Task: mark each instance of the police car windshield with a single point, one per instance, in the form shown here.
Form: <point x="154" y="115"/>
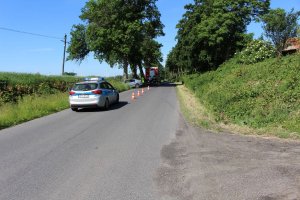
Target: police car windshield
<point x="85" y="86"/>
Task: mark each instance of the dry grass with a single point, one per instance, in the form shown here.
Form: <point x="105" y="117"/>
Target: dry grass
<point x="192" y="109"/>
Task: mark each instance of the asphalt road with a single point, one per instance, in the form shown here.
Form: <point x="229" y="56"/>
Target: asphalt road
<point x="142" y="150"/>
<point x="203" y="165"/>
<point x="90" y="155"/>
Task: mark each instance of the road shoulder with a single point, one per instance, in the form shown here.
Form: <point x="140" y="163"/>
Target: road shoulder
<point x="200" y="164"/>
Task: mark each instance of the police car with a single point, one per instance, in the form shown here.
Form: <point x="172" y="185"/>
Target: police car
<point x="93" y="93"/>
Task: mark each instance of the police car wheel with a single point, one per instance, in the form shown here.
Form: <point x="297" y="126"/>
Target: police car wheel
<point x="74" y="109"/>
<point x="118" y="99"/>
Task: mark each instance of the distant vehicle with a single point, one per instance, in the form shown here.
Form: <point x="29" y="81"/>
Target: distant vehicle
<point x="134" y="83"/>
<point x="152" y="76"/>
<point x="93" y="93"/>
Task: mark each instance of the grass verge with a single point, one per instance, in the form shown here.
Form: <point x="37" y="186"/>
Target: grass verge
<point x="198" y="115"/>
<point x="31" y="107"/>
<point x="193" y="110"/>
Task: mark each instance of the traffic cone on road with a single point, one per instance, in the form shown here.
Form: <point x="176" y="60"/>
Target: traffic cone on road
<point x="138" y="93"/>
<point x="132" y="96"/>
<point x="148" y="87"/>
<point x="142" y="91"/>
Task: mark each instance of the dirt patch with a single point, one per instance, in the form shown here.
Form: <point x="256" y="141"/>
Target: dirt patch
<point x="199" y="164"/>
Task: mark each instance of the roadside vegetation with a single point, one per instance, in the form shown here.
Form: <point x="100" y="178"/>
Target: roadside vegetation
<point x="264" y="96"/>
<point x="31" y="107"/>
<point x="118" y="83"/>
<point x="232" y="80"/>
<point x="24" y="97"/>
<point x="14" y="86"/>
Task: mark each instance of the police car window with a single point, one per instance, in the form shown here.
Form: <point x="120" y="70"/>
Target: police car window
<point x="109" y="86"/>
<point x="103" y="85"/>
<point x="106" y="86"/>
<point x="85" y="86"/>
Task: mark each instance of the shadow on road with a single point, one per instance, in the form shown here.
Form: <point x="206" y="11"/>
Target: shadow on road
<point x="167" y="84"/>
<point x="118" y="106"/>
<point x="112" y="107"/>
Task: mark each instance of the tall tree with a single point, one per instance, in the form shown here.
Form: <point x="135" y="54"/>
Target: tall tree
<point x="151" y="54"/>
<point x="115" y="30"/>
<point x="173" y="64"/>
<point x="279" y="26"/>
<point x="211" y="31"/>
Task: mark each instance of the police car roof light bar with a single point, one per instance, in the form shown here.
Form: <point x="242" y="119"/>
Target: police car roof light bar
<point x="93" y="79"/>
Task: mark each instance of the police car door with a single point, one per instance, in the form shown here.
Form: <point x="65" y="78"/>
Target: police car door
<point x="108" y="92"/>
<point x="113" y="92"/>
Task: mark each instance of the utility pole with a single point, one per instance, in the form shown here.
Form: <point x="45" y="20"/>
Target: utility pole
<point x="65" y="45"/>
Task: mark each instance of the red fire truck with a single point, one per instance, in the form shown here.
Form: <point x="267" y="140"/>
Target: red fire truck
<point x="152" y="76"/>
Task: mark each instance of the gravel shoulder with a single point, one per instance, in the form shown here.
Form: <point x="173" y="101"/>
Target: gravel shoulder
<point x="199" y="164"/>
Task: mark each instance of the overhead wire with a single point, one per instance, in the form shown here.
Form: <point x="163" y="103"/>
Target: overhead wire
<point x="29" y="33"/>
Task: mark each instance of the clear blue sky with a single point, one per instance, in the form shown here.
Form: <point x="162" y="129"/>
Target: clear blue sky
<point x="32" y="54"/>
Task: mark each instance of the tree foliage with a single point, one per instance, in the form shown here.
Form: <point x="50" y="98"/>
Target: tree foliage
<point x="279" y="26"/>
<point x="116" y="30"/>
<point x="211" y="31"/>
<point x="78" y="49"/>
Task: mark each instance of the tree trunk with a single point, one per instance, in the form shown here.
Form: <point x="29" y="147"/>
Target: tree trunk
<point x="125" y="70"/>
<point x="142" y="72"/>
<point x="134" y="72"/>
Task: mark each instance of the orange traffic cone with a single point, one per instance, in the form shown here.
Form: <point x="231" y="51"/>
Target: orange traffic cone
<point x="142" y="91"/>
<point x="138" y="93"/>
<point x="132" y="96"/>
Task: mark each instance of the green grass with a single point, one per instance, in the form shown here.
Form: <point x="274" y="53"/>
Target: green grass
<point x="118" y="84"/>
<point x="264" y="95"/>
<point x="193" y="110"/>
<point x="31" y="107"/>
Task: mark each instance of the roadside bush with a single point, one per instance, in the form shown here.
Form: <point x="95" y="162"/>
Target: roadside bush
<point x="256" y="51"/>
<point x="16" y="85"/>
